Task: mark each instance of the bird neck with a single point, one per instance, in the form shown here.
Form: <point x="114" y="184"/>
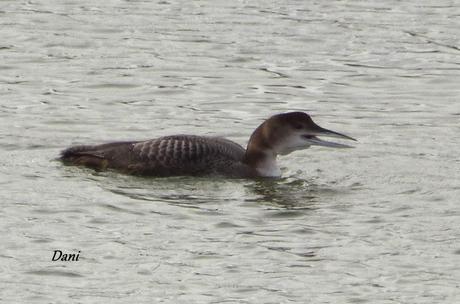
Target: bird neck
<point x="260" y="154"/>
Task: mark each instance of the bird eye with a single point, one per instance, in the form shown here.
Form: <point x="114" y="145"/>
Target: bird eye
<point x="297" y="126"/>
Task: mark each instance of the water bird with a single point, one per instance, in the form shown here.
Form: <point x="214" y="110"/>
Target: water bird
<point x="192" y="155"/>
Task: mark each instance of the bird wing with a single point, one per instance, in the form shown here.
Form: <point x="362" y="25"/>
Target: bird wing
<point x="185" y="154"/>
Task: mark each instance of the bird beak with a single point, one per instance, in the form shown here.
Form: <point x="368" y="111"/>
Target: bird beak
<point x="311" y="138"/>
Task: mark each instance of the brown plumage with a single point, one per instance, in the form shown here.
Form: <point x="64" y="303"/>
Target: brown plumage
<point x="202" y="155"/>
<point x="164" y="156"/>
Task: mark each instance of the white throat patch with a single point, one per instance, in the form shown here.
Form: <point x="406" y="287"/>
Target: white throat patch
<point x="269" y="168"/>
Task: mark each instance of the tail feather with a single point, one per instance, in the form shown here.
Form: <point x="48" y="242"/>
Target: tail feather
<point x="99" y="157"/>
<point x="84" y="156"/>
<point x="76" y="151"/>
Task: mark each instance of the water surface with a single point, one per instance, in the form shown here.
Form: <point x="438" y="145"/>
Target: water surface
<point x="376" y="224"/>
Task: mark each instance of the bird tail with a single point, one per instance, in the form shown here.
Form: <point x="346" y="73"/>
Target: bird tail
<point x="87" y="156"/>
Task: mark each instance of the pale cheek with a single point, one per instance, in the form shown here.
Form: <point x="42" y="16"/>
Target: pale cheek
<point x="292" y="144"/>
<point x="295" y="142"/>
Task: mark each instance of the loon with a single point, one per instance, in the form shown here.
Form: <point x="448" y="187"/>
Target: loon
<point x="193" y="155"/>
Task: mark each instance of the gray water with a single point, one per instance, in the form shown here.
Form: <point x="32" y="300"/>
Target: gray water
<point x="374" y="224"/>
